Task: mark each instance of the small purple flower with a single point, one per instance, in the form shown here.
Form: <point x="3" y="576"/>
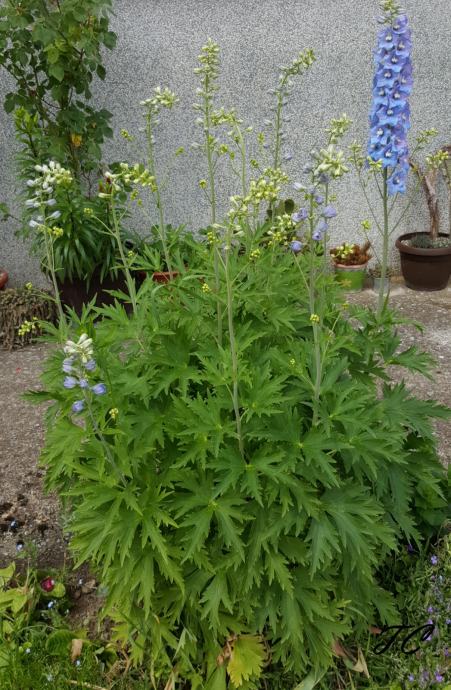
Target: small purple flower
<point x="296" y="246"/>
<point x="321" y="226"/>
<point x="319" y="198"/>
<point x="446" y="652"/>
<point x="78" y="406"/>
<point x="438" y="677"/>
<point x="83" y="383"/>
<point x="411" y="678"/>
<point x="434" y="560"/>
<point x="307" y="169"/>
<point x="410" y="549"/>
<point x="300" y="215"/>
<point x="90" y="365"/>
<point x="431" y="609"/>
<point x="329" y="212"/>
<point x="70" y="382"/>
<point x="99" y="389"/>
<point x="448" y="621"/>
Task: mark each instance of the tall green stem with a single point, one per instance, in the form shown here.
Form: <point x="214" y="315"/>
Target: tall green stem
<point x="128" y="276"/>
<point x="157" y="193"/>
<point x="212" y="196"/>
<point x="233" y="350"/>
<point x="51" y="267"/>
<point x="315" y="326"/>
<point x="385" y="240"/>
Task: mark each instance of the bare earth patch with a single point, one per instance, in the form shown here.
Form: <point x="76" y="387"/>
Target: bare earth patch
<point x="27" y="514"/>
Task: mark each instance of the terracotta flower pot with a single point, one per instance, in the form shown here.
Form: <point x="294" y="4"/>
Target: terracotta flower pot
<point x="76" y="293"/>
<point x="3" y="279"/>
<point x="424" y="269"/>
<point x="351" y="277"/>
<point x="164" y="276"/>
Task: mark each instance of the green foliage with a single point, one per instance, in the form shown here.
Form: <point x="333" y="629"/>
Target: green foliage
<point x="52" y="50"/>
<point x="197" y="542"/>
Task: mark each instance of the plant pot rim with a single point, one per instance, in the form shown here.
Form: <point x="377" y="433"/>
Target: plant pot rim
<point x="421" y="251"/>
<point x="347" y="267"/>
<point x="3" y="278"/>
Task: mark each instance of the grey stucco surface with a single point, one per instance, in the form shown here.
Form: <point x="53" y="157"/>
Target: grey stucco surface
<point x="158" y="43"/>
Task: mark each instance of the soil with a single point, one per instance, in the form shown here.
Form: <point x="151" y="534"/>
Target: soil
<point x="29" y="516"/>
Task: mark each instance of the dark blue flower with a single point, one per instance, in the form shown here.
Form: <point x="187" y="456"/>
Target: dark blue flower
<point x="390" y="112"/>
<point x="397" y="183"/>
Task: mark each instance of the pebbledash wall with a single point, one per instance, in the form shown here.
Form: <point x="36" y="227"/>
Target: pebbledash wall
<point x="158" y="42"/>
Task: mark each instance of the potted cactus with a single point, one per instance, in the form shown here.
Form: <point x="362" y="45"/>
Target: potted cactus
<point x="350" y="263"/>
<point x="426" y="256"/>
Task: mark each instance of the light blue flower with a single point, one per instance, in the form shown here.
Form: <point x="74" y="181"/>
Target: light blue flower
<point x="90" y="365"/>
<point x="298" y="186"/>
<point x="78" y="406"/>
<point x="70" y="382"/>
<point x="319" y="198"/>
<point x="83" y="383"/>
<point x="329" y="211"/>
<point x="300" y="215"/>
<point x="67" y="365"/>
<point x="99" y="389"/>
<point x="296" y="246"/>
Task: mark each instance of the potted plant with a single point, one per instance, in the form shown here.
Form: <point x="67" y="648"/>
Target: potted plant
<point x="376" y="273"/>
<point x="426" y="256"/>
<point x="350" y="263"/>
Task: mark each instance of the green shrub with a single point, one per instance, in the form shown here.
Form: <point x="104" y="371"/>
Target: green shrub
<point x="202" y="531"/>
<point x="235" y="457"/>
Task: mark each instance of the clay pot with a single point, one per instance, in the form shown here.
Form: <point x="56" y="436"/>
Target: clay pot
<point x="164" y="276"/>
<point x="76" y="293"/>
<point x="351" y="278"/>
<point x="3" y="279"/>
<point x="424" y="269"/>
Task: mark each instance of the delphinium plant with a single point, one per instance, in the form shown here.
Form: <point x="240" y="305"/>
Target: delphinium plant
<point x="261" y="463"/>
<point x="387" y="159"/>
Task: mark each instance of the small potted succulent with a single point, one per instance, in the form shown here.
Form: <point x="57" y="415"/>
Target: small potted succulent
<point x="426" y="256"/>
<point x="350" y="263"/>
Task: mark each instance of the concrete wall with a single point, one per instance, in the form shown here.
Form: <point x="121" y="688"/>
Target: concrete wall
<point x="159" y="41"/>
